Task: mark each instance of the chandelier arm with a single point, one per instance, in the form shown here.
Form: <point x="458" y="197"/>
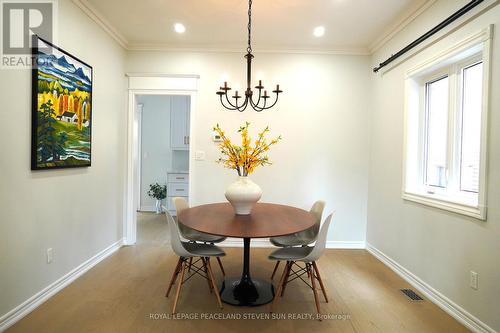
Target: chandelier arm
<point x="270" y="106"/>
<point x="258" y="108"/>
<point x="263" y="107"/>
<point x="235" y="106"/>
<point x="276" y="101"/>
<point x="258" y="99"/>
<point x="230" y="107"/>
<point x="252" y="103"/>
<point x="244" y="105"/>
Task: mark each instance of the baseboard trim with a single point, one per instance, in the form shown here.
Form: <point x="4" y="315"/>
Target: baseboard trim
<point x="265" y="243"/>
<point x="16" y="314"/>
<point x="354" y="245"/>
<point x="453" y="309"/>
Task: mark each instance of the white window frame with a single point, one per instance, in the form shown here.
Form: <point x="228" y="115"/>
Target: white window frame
<point x="449" y="63"/>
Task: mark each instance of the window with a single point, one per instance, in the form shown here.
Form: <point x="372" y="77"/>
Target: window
<point x="446" y="103"/>
<point x="436" y="124"/>
<point x="471" y="127"/>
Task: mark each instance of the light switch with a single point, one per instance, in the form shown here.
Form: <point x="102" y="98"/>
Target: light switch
<point x="199" y="155"/>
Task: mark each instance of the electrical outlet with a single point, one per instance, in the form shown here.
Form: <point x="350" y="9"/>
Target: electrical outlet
<point x="199" y="155"/>
<point x="473" y="280"/>
<point x="49" y="255"/>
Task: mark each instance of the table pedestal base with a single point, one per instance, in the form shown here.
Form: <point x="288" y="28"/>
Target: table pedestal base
<point x="254" y="292"/>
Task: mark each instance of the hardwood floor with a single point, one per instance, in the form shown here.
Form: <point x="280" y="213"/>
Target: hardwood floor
<point x="125" y="293"/>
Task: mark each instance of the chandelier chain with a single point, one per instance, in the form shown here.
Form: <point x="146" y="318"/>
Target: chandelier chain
<point x="249" y="48"/>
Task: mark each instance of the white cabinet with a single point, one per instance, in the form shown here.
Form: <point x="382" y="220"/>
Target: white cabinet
<point x="179" y="122"/>
<point x="177" y="186"/>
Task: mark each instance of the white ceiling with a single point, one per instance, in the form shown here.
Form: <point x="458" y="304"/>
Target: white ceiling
<point x="351" y="25"/>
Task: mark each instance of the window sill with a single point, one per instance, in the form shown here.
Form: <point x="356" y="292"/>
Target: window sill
<point x="478" y="212"/>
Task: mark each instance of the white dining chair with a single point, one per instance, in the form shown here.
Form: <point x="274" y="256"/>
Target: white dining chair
<point x="187" y="251"/>
<point x="192" y="235"/>
<point x="307" y="255"/>
<point x="301" y="238"/>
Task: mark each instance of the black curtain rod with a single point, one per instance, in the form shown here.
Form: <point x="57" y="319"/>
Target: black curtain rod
<point x="429" y="33"/>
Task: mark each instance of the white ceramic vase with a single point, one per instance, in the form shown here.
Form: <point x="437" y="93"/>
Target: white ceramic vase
<point x="243" y="194"/>
<point x="158" y="206"/>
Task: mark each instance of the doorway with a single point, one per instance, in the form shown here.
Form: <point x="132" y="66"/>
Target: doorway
<point x="161" y="111"/>
<point x="164" y="135"/>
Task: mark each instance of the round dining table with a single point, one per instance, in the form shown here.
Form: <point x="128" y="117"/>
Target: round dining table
<point x="266" y="220"/>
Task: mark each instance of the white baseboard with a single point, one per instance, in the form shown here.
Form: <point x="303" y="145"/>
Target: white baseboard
<point x="345" y="245"/>
<point x="264" y="242"/>
<point x="453" y="309"/>
<point x="16" y="314"/>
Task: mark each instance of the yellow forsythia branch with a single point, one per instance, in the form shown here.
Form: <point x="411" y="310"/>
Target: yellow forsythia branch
<point x="245" y="158"/>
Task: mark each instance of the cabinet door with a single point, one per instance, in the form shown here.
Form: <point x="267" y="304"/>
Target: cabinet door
<point x="188" y="121"/>
<point x="179" y="123"/>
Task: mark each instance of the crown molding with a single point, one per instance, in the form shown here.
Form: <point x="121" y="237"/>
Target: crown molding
<point x="231" y="49"/>
<point x="399" y="24"/>
<point x="151" y="74"/>
<point x="98" y="18"/>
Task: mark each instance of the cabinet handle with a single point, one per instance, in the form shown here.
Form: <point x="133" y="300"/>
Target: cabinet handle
<point x="179" y="177"/>
<point x="184" y="139"/>
<point x="188" y="139"/>
<point x="179" y="189"/>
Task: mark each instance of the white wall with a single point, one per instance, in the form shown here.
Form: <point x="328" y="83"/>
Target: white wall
<point x="439" y="247"/>
<point x="323" y="116"/>
<point x="77" y="212"/>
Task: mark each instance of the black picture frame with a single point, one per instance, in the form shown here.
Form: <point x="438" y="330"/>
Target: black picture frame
<point x="72" y="92"/>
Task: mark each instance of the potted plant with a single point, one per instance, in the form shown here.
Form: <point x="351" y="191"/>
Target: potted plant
<point x="244" y="193"/>
<point x="159" y="192"/>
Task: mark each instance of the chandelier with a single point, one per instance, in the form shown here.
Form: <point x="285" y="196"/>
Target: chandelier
<point x="260" y="103"/>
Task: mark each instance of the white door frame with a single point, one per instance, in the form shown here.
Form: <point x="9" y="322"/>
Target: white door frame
<point x="138" y="180"/>
<point x="150" y="84"/>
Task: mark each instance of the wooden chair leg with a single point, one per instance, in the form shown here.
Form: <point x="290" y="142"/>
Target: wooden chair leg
<point x="313" y="282"/>
<point x="179" y="286"/>
<point x="275" y="269"/>
<point x="216" y="291"/>
<point x="285" y="282"/>
<point x="174" y="276"/>
<point x="320" y="280"/>
<point x="221" y="267"/>
<point x="205" y="269"/>
<point x="280" y="286"/>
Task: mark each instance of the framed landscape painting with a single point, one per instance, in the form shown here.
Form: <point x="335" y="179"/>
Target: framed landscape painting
<point x="61" y="108"/>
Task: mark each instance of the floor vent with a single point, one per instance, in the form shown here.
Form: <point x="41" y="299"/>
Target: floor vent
<point x="412" y="295"/>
